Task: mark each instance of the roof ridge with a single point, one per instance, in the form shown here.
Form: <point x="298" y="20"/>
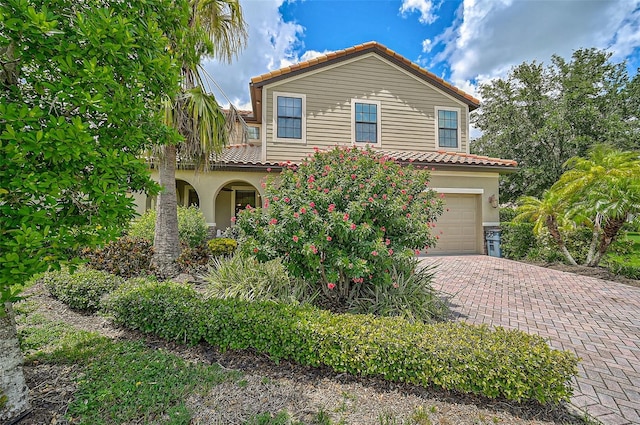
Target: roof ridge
<point x="370" y="45"/>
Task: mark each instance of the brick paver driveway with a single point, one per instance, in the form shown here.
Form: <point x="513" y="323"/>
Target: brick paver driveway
<point x="597" y="319"/>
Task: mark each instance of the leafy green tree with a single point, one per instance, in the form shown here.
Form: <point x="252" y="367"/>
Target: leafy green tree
<point x="79" y="82"/>
<point x="216" y="29"/>
<point x="543" y="115"/>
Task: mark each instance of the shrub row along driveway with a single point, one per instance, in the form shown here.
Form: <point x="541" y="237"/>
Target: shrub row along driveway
<point x="599" y="320"/>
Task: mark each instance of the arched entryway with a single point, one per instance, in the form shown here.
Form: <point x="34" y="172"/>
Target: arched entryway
<point x="185" y="193"/>
<point x="231" y="199"/>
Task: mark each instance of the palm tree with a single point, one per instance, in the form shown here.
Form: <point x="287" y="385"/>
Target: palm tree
<point x="546" y="213"/>
<point x="216" y="29"/>
<point x="605" y="187"/>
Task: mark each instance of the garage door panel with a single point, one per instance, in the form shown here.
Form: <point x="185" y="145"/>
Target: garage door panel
<point x="459" y="226"/>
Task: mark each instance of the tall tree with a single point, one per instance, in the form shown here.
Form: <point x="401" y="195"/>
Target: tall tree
<point x="543" y="115"/>
<point x="216" y="29"/>
<point x="79" y="81"/>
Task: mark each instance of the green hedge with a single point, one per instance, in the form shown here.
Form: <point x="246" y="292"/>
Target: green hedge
<point x="82" y="289"/>
<point x="516" y="240"/>
<point x="451" y="355"/>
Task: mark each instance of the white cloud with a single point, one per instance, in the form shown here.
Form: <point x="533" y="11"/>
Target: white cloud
<point x="491" y="36"/>
<point x="628" y="35"/>
<point x="425" y="7"/>
<point x="272" y="44"/>
<point x="427" y="45"/>
<point x="308" y="55"/>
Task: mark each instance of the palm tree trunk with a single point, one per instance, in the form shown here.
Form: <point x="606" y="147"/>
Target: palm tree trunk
<point x="552" y="225"/>
<point x="593" y="246"/>
<point x="166" y="243"/>
<point x="610" y="231"/>
<point x="595" y="237"/>
<point x="13" y="389"/>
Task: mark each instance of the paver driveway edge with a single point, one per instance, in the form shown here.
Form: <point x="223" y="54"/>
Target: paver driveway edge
<point x="597" y="319"/>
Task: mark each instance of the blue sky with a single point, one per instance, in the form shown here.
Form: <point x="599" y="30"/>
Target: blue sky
<point x="466" y="42"/>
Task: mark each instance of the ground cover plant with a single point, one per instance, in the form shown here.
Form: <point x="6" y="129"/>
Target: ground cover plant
<point x="454" y="356"/>
<point x="343" y="220"/>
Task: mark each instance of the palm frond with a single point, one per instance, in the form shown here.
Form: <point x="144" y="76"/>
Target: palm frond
<point x="199" y="119"/>
<point x="223" y="23"/>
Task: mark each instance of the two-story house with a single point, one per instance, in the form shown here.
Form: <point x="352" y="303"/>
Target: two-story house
<point x="363" y="95"/>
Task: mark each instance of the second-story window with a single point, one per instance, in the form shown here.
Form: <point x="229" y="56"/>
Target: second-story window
<point x="448" y="124"/>
<point x="254" y="132"/>
<point x="289" y="117"/>
<point x="366" y="121"/>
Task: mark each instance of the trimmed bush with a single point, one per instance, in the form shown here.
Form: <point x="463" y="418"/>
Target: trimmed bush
<point x="126" y="257"/>
<point x="192" y="226"/>
<point x="519" y="242"/>
<point x="516" y="240"/>
<point x="167" y="309"/>
<point x="243" y="277"/>
<point x="82" y="289"/>
<point x="144" y="227"/>
<point x="456" y="356"/>
<point x="222" y="246"/>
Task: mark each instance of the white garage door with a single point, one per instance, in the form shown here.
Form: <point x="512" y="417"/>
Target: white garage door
<point x="459" y="226"/>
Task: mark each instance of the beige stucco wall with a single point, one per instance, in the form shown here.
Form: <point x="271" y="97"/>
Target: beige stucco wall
<point x="407" y="108"/>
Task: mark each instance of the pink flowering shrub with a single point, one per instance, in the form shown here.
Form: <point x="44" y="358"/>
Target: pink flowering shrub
<point x="344" y="219"/>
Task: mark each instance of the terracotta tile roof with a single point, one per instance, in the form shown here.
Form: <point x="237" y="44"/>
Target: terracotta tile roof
<point x="361" y="49"/>
<point x="244" y="154"/>
<point x="446" y="158"/>
<point x="250" y="154"/>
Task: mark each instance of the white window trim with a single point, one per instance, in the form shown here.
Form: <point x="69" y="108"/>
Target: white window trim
<point x="259" y="131"/>
<point x="437" y="133"/>
<point x="378" y="122"/>
<point x="459" y="190"/>
<point x="303" y="139"/>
